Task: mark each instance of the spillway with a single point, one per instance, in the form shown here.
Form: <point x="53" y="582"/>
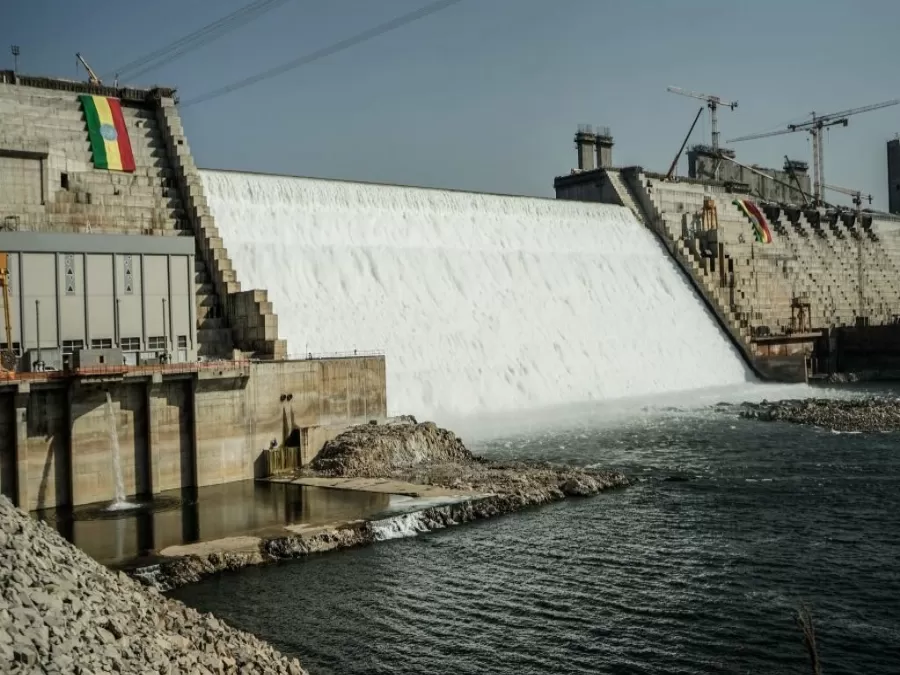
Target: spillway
<point x="482" y="303"/>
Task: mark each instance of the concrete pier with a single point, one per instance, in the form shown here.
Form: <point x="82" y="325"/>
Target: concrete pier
<point x="186" y="426"/>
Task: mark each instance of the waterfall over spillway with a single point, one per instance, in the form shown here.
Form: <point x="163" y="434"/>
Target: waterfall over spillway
<point x="482" y="303"/>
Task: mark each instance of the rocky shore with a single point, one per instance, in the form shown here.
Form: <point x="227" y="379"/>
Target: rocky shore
<point x="869" y="415"/>
<point x="62" y="612"/>
<point x="422" y="454"/>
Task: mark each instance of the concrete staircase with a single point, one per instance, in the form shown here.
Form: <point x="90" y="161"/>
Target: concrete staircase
<point x="673" y="232"/>
<point x="213" y="332"/>
<point x="626" y="196"/>
<point x="835" y="263"/>
<point x="253" y="323"/>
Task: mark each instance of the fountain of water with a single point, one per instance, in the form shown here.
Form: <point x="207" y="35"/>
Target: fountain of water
<point x="120" y="502"/>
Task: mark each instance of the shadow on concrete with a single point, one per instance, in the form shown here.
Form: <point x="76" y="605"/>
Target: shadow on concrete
<point x="56" y="459"/>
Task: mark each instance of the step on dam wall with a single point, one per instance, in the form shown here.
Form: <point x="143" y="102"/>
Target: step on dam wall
<point x="482" y="303"/>
<point x="807" y="292"/>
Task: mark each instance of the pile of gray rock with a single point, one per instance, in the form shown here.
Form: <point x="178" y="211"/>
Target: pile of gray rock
<point x="61" y="612"/>
<point x="873" y="414"/>
<point x="375" y="449"/>
<point x="426" y="454"/>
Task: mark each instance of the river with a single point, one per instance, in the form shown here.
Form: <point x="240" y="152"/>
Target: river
<point x="698" y="568"/>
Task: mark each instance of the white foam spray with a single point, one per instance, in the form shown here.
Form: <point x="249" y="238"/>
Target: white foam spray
<point x="482" y="303"/>
<point x="120" y="501"/>
<point x="400" y="527"/>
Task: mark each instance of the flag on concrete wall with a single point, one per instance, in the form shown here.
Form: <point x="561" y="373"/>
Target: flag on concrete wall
<point x="109" y="136"/>
<point x="760" y="226"/>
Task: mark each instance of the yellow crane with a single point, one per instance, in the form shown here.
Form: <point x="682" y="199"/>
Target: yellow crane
<point x="7" y="356"/>
<point x="92" y="76"/>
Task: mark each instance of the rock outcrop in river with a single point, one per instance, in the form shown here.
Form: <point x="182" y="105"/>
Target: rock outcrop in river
<point x="377" y="449"/>
<point x="62" y="612"/>
<point x="425" y="454"/>
<point x="863" y="414"/>
<point x="420" y="454"/>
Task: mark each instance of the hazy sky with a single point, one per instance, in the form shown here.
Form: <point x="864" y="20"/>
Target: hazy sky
<point x="486" y="94"/>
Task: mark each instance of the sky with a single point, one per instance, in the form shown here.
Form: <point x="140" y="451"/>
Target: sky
<point x="486" y="94"/>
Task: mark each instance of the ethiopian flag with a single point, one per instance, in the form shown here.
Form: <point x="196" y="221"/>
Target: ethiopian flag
<point x="109" y="137"/>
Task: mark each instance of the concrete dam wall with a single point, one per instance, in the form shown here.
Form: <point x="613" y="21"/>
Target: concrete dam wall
<point x="482" y="303"/>
<point x="138" y="364"/>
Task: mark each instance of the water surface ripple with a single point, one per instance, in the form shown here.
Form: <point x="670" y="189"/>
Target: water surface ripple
<point x="700" y="574"/>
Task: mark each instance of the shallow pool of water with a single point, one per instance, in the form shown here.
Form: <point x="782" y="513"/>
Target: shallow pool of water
<point x="203" y="514"/>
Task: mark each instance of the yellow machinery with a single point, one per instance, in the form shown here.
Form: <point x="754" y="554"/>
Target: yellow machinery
<point x="92" y="76"/>
<point x="710" y="218"/>
<point x="7" y="355"/>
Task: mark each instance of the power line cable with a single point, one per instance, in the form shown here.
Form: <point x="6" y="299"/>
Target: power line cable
<point x="209" y="38"/>
<point x="206" y="30"/>
<point x="198" y="38"/>
<point x="345" y="44"/>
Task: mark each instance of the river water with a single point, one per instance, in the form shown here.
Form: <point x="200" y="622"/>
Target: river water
<point x="697" y="568"/>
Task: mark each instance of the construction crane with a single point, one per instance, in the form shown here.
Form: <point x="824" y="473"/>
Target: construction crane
<point x="7" y="355"/>
<point x="713" y="103"/>
<point x="681" y="149"/>
<point x="856" y="194"/>
<point x="815" y="126"/>
<point x="92" y="76"/>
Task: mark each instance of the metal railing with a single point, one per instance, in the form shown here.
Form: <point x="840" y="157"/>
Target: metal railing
<point x="126" y="370"/>
<point x="324" y="356"/>
<point x="123" y="370"/>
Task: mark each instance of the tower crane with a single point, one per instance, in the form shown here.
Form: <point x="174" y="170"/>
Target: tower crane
<point x="713" y="103"/>
<point x="815" y="126"/>
<point x="855" y="194"/>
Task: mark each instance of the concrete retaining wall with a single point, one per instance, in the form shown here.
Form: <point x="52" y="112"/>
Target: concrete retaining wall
<point x="174" y="431"/>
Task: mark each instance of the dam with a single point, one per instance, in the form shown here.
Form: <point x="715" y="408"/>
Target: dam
<point x="213" y="316"/>
<point x="481" y="303"/>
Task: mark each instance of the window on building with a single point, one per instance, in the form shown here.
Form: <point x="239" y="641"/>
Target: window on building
<point x="72" y="346"/>
<point x="131" y="344"/>
<point x="64" y="180"/>
<point x="182" y="342"/>
<point x="16" y="348"/>
<point x="156" y="342"/>
<point x="101" y="343"/>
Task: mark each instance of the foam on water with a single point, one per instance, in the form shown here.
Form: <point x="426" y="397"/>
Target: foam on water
<point x="482" y="303"/>
<point x="400" y="527"/>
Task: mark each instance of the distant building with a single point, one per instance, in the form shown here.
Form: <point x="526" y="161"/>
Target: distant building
<point x="893" y="153"/>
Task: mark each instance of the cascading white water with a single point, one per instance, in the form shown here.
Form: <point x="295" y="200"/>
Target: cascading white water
<point x="400" y="527"/>
<point x="120" y="501"/>
<point x="482" y="303"/>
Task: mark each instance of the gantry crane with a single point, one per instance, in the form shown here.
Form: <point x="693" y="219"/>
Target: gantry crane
<point x="92" y="76"/>
<point x="815" y="125"/>
<point x="713" y="103"/>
